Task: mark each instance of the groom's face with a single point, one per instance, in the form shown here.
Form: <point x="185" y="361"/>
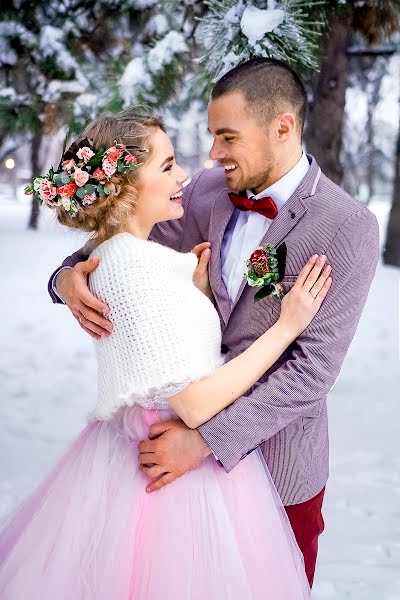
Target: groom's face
<point x="241" y="145"/>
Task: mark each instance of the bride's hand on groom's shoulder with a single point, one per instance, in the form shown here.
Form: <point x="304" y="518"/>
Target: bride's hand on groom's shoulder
<point x="301" y="304"/>
<point x="87" y="309"/>
<point x="200" y="275"/>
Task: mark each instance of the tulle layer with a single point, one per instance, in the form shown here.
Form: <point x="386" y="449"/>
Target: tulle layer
<point x="91" y="532"/>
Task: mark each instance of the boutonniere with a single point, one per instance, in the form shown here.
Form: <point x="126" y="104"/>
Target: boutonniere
<point x="265" y="269"/>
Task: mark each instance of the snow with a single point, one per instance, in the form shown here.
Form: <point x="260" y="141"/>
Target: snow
<point x="11" y="95"/>
<point x="9" y="30"/>
<point x="86" y="106"/>
<point x="48" y="385"/>
<point x="12" y="29"/>
<point x="143" y="4"/>
<point x="232" y="16"/>
<point x="8" y="54"/>
<point x="256" y="22"/>
<point x="230" y="60"/>
<point x="52" y="41"/>
<point x="158" y="25"/>
<point x="133" y="78"/>
<point x="55" y="89"/>
<point x="165" y="50"/>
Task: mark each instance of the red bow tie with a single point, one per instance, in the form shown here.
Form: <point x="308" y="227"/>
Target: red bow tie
<point x="264" y="206"/>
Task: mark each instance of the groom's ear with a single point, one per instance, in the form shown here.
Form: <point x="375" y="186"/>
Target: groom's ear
<point x="283" y="128"/>
<point x="286" y="126"/>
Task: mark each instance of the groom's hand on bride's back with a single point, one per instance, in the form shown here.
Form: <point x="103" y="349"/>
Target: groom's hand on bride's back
<point x="72" y="286"/>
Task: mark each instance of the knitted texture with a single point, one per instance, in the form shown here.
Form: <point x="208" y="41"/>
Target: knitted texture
<point x="166" y="333"/>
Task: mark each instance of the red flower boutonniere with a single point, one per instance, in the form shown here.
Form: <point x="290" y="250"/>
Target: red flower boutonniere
<point x="265" y="269"/>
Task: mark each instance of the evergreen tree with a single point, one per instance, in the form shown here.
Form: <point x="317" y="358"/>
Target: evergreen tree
<point x="57" y="61"/>
<point x="69" y="62"/>
<point x="373" y="20"/>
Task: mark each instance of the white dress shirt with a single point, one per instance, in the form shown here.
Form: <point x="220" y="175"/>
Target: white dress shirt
<point x="246" y="229"/>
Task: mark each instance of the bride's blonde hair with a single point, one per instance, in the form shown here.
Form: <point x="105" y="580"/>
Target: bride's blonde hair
<point x="108" y="213"/>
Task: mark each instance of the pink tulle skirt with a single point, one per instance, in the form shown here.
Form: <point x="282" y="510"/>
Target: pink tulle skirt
<point x="91" y="532"/>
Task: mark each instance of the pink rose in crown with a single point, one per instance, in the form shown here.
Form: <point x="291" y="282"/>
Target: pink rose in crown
<point x="47" y="191"/>
<point x="81" y="177"/>
<point x="89" y="199"/>
<point x="129" y="158"/>
<point x="85" y="154"/>
<point x="113" y="153"/>
<point x="68" y="165"/>
<point x="99" y="174"/>
<point x="109" y="167"/>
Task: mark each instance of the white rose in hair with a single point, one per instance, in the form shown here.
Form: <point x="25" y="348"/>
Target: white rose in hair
<point x="89" y="199"/>
<point x="109" y="167"/>
<point x="85" y="154"/>
<point x="68" y="165"/>
<point x="47" y="190"/>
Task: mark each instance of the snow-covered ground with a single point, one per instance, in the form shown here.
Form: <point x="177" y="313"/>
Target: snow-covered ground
<point x="48" y="384"/>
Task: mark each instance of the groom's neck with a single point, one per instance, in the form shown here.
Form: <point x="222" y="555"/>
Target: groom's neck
<point x="280" y="167"/>
<point x="283" y="165"/>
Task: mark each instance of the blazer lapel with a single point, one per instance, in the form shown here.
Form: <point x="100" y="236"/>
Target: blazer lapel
<point x="288" y="217"/>
<point x="220" y="217"/>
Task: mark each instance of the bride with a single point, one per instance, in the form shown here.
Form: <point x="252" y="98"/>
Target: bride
<point x="90" y="531"/>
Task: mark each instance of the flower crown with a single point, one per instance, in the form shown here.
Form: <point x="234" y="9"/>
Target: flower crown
<point x="81" y="175"/>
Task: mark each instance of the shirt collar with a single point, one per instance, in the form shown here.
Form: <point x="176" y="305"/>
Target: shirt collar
<point x="281" y="190"/>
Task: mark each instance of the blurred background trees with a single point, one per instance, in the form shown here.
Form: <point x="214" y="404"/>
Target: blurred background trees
<point x="65" y="62"/>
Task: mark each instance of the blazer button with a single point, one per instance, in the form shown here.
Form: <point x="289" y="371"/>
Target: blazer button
<point x="224" y="349"/>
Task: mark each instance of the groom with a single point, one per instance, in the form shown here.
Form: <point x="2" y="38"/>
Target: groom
<point x="256" y="116"/>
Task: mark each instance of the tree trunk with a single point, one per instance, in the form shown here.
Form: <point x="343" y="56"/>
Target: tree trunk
<point x="370" y="151"/>
<point x="323" y="135"/>
<point x="371" y="72"/>
<point x="36" y="143"/>
<point x="391" y="254"/>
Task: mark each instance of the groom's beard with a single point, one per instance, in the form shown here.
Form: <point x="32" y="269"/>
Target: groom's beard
<point x="256" y="182"/>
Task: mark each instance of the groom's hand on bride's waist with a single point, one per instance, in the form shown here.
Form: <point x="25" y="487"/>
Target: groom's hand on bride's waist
<point x="73" y="289"/>
<point x="172" y="450"/>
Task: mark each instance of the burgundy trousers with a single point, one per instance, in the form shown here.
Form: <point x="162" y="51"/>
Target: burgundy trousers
<point x="307" y="524"/>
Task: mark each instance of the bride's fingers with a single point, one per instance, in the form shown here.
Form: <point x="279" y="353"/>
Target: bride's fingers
<point x="204" y="259"/>
<point x="197" y="250"/>
<point x="319" y="298"/>
<point x="305" y="271"/>
<point x="314" y="273"/>
<point x="318" y="285"/>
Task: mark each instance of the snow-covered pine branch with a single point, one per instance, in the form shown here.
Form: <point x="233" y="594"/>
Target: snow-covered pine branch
<point x="232" y="32"/>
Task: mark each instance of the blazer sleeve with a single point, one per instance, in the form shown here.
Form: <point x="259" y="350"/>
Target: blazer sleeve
<point x="81" y="255"/>
<point x="299" y="387"/>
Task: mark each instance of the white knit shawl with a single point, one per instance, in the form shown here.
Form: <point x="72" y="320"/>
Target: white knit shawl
<point x="166" y="333"/>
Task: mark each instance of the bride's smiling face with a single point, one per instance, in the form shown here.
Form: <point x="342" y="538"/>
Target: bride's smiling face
<point x="161" y="183"/>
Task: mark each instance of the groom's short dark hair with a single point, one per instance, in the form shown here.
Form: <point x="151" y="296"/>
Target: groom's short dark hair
<point x="269" y="87"/>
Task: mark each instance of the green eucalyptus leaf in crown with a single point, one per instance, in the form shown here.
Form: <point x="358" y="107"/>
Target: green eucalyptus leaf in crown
<point x="81" y="175"/>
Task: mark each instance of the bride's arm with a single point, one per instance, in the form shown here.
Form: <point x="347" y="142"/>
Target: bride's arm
<point x="203" y="399"/>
